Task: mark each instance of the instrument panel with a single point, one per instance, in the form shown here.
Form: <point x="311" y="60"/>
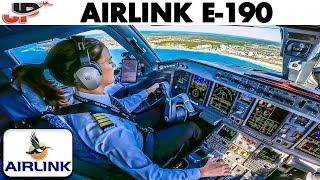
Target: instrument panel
<point x="262" y="126"/>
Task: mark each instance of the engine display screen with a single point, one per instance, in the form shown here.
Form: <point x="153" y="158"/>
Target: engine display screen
<point x="222" y="98"/>
<point x="269" y="155"/>
<point x="227" y="133"/>
<point x="266" y="118"/>
<point x="198" y="87"/>
<point x="311" y="144"/>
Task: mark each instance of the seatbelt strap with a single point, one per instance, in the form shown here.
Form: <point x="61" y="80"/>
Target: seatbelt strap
<point x="124" y="114"/>
<point x="88" y="105"/>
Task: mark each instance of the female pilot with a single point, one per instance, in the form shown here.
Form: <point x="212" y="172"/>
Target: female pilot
<point x="110" y="134"/>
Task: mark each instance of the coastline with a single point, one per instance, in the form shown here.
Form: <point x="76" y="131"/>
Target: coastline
<point x="265" y="64"/>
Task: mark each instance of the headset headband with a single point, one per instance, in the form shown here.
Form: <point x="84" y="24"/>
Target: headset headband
<point x="83" y="52"/>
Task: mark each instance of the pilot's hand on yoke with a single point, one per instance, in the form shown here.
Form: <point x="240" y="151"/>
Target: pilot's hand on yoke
<point x="215" y="167"/>
<point x="153" y="88"/>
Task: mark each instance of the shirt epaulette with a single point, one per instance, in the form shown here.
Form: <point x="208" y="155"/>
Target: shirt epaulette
<point x="102" y="120"/>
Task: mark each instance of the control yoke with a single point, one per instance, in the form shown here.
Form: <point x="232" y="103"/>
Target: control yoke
<point x="178" y="107"/>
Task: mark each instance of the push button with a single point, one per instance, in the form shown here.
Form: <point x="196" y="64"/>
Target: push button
<point x="297" y="135"/>
<point x="284" y="129"/>
<point x="285" y="144"/>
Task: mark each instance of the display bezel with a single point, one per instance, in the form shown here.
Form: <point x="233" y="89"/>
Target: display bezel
<point x="261" y="136"/>
<point x="302" y="154"/>
<point x="207" y="91"/>
<point x="271" y="149"/>
<point x="122" y="79"/>
<point x="303" y="138"/>
<point x="232" y="103"/>
<point x="225" y="125"/>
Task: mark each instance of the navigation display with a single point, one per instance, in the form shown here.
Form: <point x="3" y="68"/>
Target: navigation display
<point x="311" y="144"/>
<point x="198" y="87"/>
<point x="227" y="133"/>
<point x="222" y="98"/>
<point x="269" y="155"/>
<point x="266" y="118"/>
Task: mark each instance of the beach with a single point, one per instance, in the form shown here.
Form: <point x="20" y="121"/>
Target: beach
<point x="265" y="64"/>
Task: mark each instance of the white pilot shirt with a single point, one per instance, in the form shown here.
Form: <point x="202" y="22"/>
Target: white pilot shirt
<point x="121" y="142"/>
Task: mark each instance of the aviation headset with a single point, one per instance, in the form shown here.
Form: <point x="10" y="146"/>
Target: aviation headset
<point x="88" y="75"/>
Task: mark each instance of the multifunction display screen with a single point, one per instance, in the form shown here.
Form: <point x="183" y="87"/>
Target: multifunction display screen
<point x="266" y="118"/>
<point x="198" y="87"/>
<point x="269" y="155"/>
<point x="227" y="133"/>
<point x="222" y="98"/>
<point x="311" y="144"/>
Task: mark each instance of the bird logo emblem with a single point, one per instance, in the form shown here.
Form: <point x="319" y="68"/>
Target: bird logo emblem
<point x="37" y="150"/>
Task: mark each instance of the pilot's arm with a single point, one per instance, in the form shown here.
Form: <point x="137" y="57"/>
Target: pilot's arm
<point x="120" y="146"/>
<point x="132" y="102"/>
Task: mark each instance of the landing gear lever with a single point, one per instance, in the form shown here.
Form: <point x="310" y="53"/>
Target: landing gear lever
<point x="178" y="107"/>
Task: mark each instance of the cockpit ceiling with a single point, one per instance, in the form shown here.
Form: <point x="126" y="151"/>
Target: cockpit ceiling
<point x="309" y="28"/>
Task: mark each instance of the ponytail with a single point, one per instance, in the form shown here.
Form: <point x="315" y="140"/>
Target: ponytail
<point x="32" y="76"/>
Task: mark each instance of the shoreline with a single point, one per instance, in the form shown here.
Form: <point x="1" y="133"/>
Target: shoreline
<point x="265" y="64"/>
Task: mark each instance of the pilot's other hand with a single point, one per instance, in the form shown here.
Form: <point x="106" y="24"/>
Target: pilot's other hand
<point x="215" y="167"/>
<point x="153" y="88"/>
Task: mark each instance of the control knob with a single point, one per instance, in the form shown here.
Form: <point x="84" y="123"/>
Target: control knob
<point x="269" y="94"/>
<point x="314" y="111"/>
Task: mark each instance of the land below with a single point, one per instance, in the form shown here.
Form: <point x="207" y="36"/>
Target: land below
<point x="262" y="52"/>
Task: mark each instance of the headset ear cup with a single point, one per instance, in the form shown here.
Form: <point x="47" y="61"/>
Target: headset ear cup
<point x="97" y="66"/>
<point x="88" y="77"/>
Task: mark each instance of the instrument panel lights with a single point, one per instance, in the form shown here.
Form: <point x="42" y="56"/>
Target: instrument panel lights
<point x="297" y="135"/>
<point x="285" y="144"/>
<point x="284" y="129"/>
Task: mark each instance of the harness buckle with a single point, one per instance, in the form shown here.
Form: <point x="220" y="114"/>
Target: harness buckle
<point x="145" y="130"/>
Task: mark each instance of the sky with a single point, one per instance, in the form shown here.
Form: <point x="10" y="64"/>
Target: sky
<point x="271" y="33"/>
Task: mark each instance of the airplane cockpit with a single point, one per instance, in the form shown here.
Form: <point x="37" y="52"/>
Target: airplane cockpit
<point x="264" y="125"/>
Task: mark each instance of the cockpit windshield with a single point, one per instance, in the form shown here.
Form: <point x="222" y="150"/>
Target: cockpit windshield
<point x="35" y="53"/>
<point x="253" y="47"/>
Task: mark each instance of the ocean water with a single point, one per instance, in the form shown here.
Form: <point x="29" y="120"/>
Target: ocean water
<point x="32" y="54"/>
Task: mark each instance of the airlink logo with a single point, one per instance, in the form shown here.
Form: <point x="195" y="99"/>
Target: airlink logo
<point x="24" y="10"/>
<point x="32" y="157"/>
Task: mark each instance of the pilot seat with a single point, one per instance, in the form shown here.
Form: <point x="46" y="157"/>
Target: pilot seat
<point x="23" y="109"/>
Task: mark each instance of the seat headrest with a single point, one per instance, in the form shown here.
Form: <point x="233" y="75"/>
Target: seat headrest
<point x="5" y="76"/>
<point x="15" y="105"/>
